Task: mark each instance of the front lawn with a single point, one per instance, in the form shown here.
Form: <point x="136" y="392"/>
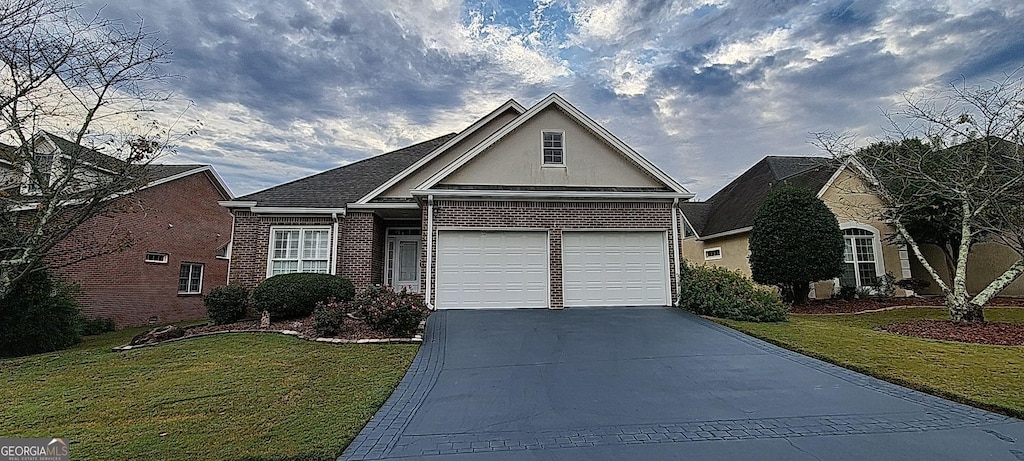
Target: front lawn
<point x="237" y="396"/>
<point x="986" y="376"/>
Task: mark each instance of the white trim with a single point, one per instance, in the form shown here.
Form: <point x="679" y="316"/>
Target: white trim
<point x="510" y="104"/>
<point x="227" y="281"/>
<point x="876" y="244"/>
<point x="726" y="233"/>
<point x="164" y="258"/>
<point x="301" y="229"/>
<point x="386" y="206"/>
<point x="202" y="274"/>
<point x="332" y="265"/>
<point x="572" y="112"/>
<point x="236" y="203"/>
<point x="295" y="210"/>
<point x="675" y="246"/>
<point x="550" y="194"/>
<point x="430" y="252"/>
<point x="713" y="257"/>
<point x="503" y="229"/>
<point x="217" y="180"/>
<point x="544" y="164"/>
<point x="849" y="162"/>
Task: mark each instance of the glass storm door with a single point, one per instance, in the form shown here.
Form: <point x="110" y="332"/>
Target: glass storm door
<point x="404" y="259"/>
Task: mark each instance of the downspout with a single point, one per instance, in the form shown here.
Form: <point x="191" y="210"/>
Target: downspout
<point x="675" y="243"/>
<point x="231" y="243"/>
<point x="430" y="249"/>
<point x="334" y="244"/>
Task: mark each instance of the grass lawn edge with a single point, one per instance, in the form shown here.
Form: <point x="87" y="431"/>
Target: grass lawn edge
<point x="1003" y="410"/>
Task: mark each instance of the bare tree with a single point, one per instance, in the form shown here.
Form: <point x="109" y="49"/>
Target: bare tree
<point x="70" y="87"/>
<point x="972" y="162"/>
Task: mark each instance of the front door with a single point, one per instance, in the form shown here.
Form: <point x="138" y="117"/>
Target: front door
<point x="404" y="262"/>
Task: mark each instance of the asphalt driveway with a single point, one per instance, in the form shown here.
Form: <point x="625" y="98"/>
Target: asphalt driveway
<point x="653" y="383"/>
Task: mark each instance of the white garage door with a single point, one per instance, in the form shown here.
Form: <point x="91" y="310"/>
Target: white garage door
<point x="615" y="269"/>
<point x="485" y="269"/>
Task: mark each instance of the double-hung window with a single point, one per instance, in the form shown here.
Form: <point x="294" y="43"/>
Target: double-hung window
<point x="553" y="145"/>
<point x="860" y="264"/>
<point x="299" y="249"/>
<point x="43" y="171"/>
<point x="190" y="279"/>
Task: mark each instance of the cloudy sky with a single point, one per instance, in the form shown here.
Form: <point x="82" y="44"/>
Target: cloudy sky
<point x="702" y="88"/>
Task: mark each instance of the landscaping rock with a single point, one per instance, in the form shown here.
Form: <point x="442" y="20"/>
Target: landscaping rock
<point x="157" y="335"/>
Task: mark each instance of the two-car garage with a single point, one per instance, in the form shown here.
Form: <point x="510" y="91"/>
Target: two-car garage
<point x="512" y="269"/>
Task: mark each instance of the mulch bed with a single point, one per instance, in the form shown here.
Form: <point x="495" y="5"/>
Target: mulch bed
<point x="354" y="329"/>
<point x="840" y="306"/>
<point x="997" y="333"/>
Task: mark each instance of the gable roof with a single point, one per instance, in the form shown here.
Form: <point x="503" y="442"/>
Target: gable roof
<point x="346" y="184"/>
<point x="733" y="208"/>
<point x="154" y="173"/>
<point x="511" y="104"/>
<point x="85" y="154"/>
<point x="579" y="117"/>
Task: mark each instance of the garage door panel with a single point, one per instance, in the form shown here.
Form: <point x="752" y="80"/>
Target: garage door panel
<point x="492" y="269"/>
<point x="614" y="268"/>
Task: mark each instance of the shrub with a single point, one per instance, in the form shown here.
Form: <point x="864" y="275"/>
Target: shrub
<point x="39" y="314"/>
<point x="90" y="327"/>
<point x="295" y="295"/>
<point x="795" y="240"/>
<point x="397" y="314"/>
<point x="227" y="304"/>
<point x="913" y="284"/>
<point x="329" y="318"/>
<point x="886" y="286"/>
<point x="847" y="292"/>
<point x="719" y="292"/>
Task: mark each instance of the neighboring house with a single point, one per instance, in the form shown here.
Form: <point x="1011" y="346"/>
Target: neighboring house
<point x="531" y="208"/>
<point x="178" y="245"/>
<point x="717" y="230"/>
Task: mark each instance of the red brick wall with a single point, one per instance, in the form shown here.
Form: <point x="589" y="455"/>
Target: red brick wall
<point x="251" y="241"/>
<point x="180" y="218"/>
<point x="359" y="254"/>
<point x="553" y="216"/>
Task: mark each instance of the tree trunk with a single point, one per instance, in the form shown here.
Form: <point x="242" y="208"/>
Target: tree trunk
<point x="975" y="313"/>
<point x="800" y="292"/>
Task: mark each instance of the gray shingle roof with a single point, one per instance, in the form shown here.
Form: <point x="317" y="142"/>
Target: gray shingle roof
<point x="157" y="172"/>
<point x="340" y="186"/>
<point x="735" y="206"/>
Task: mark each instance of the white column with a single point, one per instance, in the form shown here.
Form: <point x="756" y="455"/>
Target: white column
<point x="430" y="250"/>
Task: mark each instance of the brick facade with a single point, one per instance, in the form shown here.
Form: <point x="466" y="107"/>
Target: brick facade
<point x="180" y="218"/>
<point x="554" y="217"/>
<point x="360" y="245"/>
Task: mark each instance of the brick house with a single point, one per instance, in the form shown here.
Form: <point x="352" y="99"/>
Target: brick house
<point x="531" y="208"/>
<point x="155" y="253"/>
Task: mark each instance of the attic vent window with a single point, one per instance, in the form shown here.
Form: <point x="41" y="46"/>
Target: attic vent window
<point x="157" y="258"/>
<point x="713" y="253"/>
<point x="553" y="144"/>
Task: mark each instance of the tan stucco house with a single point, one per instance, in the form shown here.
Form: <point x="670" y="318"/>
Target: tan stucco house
<point x="716" y="231"/>
<point x="532" y="208"/>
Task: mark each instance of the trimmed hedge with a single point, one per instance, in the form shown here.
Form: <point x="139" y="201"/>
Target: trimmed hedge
<point x="39" y="314"/>
<point x="295" y="295"/>
<point x="397" y="314"/>
<point x="227" y="304"/>
<point x="719" y="292"/>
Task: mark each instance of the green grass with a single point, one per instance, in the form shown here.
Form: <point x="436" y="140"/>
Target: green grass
<point x="986" y="376"/>
<point x="237" y="396"/>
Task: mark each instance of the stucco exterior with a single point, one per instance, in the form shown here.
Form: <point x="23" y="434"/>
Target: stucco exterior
<point x="854" y="206"/>
<point x="402" y="187"/>
<point x="516" y="159"/>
